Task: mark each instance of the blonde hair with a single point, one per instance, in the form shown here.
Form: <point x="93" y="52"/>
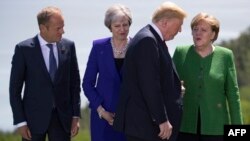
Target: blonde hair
<point x="168" y="10"/>
<point x="211" y="20"/>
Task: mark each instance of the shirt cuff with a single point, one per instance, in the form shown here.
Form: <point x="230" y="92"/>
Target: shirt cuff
<point x="21" y="124"/>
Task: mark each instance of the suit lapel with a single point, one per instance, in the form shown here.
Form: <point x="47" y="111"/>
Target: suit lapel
<point x="111" y="65"/>
<point x="170" y="59"/>
<point x="164" y="47"/>
<point x="61" y="49"/>
<point x="38" y="54"/>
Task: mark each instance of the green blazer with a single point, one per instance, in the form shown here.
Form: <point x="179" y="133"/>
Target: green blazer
<point x="211" y="86"/>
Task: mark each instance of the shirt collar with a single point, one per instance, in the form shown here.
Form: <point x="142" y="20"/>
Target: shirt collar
<point x="157" y="30"/>
<point x="43" y="42"/>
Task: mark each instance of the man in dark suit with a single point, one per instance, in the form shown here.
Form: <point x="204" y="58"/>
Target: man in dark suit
<point x="47" y="67"/>
<point x="150" y="103"/>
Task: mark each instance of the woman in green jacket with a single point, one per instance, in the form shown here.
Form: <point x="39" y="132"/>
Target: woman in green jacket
<point x="212" y="94"/>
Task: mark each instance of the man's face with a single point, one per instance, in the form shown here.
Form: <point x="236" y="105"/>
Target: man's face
<point x="53" y="30"/>
<point x="171" y="28"/>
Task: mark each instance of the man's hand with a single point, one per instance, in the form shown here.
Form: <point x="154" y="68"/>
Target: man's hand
<point x="165" y="130"/>
<point x="75" y="125"/>
<point x="24" y="131"/>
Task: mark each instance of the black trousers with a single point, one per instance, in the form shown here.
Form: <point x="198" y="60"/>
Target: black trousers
<point x="132" y="138"/>
<point x="55" y="131"/>
<point x="198" y="137"/>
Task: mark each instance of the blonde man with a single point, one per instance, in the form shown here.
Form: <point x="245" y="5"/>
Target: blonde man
<point x="150" y="106"/>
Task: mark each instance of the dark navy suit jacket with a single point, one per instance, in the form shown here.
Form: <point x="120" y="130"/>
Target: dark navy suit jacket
<point x="40" y="94"/>
<point x="150" y="91"/>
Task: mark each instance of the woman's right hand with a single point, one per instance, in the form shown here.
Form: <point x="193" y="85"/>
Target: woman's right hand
<point x="109" y="117"/>
<point x="106" y="115"/>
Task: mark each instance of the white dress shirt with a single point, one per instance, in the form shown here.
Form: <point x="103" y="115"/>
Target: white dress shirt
<point x="157" y="30"/>
<point x="45" y="51"/>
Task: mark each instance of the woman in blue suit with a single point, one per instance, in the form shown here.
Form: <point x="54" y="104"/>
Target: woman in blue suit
<point x="101" y="82"/>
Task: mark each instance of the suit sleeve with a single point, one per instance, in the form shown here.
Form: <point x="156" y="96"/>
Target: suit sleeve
<point x="90" y="78"/>
<point x="148" y="64"/>
<point x="232" y="92"/>
<point x="17" y="77"/>
<point x="75" y="83"/>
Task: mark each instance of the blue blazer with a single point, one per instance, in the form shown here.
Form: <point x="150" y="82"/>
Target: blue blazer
<point x="150" y="90"/>
<point x="101" y="84"/>
<point x="40" y="93"/>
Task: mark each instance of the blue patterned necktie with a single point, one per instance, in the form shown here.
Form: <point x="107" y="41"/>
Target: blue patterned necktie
<point x="52" y="62"/>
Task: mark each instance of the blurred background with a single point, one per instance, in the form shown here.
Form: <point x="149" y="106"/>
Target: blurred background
<point x="84" y="23"/>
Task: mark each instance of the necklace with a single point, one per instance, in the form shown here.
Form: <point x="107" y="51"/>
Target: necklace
<point x="119" y="53"/>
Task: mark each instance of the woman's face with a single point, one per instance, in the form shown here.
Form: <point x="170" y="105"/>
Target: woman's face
<point x="120" y="28"/>
<point x="202" y="34"/>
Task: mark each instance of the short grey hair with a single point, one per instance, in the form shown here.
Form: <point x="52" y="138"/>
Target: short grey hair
<point x="115" y="11"/>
